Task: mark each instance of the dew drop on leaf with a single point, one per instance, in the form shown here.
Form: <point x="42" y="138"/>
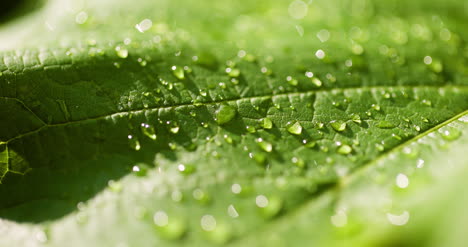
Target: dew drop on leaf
<point x="186" y="169"/>
<point x="169" y="228"/>
<point x="148" y="131"/>
<point x="384" y="124"/>
<point x="250" y="129"/>
<point x="133" y="142"/>
<point x="266" y="146"/>
<point x="295" y="129"/>
<point x="450" y="134"/>
<point x="269" y="207"/>
<point x="232" y="72"/>
<point x="225" y="114"/>
<point x="178" y="72"/>
<point x="140" y="169"/>
<point x="338" y="125"/>
<point x="267" y="123"/>
<point x="344" y="149"/>
<point x="121" y="52"/>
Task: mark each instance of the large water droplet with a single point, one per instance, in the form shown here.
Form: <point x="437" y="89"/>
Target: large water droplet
<point x="140" y="169"/>
<point x="450" y="134"/>
<point x="225" y="114"/>
<point x="269" y="207"/>
<point x="169" y="228"/>
<point x="266" y="146"/>
<point x="345" y="149"/>
<point x="148" y="131"/>
<point x="338" y="125"/>
<point x="178" y="72"/>
<point x="295" y="129"/>
<point x="133" y="142"/>
<point x="121" y="52"/>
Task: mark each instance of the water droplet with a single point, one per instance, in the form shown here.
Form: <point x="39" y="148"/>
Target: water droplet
<point x="144" y="25"/>
<point x="225" y="114"/>
<point x="417" y="128"/>
<point x="178" y="72"/>
<point x="236" y="188"/>
<point x="375" y="107"/>
<point x="320" y="54"/>
<point x="142" y="62"/>
<point x="298" y="162"/>
<point x="174" y="129"/>
<point x="426" y="102"/>
<point x="266" y="146"/>
<point x="344" y="149"/>
<point x="232" y="211"/>
<point x="295" y="129"/>
<point x="114" y="186"/>
<point x="201" y="196"/>
<point x="177" y="196"/>
<point x="267" y="123"/>
<point x="323" y="35"/>
<point x="169" y="228"/>
<point x="133" y="142"/>
<point x="232" y="72"/>
<point x="258" y="157"/>
<point x="402" y="180"/>
<point x="398" y="220"/>
<point x="427" y="60"/>
<point x="384" y="124"/>
<point x="298" y="9"/>
<point x="420" y="163"/>
<point x="41" y="236"/>
<point x="203" y="93"/>
<point x="148" y="131"/>
<point x="81" y="18"/>
<point x="292" y="81"/>
<point x="379" y="147"/>
<point x="121" y="52"/>
<point x="208" y="222"/>
<point x="172" y="145"/>
<point x="269" y="207"/>
<point x="338" y="125"/>
<point x="186" y="169"/>
<point x="356" y="118"/>
<point x="340" y="219"/>
<point x="250" y="129"/>
<point x="450" y="134"/>
<point x="316" y="81"/>
<point x="140" y="169"/>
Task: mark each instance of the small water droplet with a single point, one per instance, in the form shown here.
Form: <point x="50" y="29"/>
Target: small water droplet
<point x="291" y="81"/>
<point x="186" y="169"/>
<point x="375" y="107"/>
<point x="398" y="220"/>
<point x="267" y="123"/>
<point x="316" y="81"/>
<point x="232" y="72"/>
<point x="420" y="163"/>
<point x="121" y="52"/>
<point x="225" y="114"/>
<point x="402" y="180"/>
<point x="269" y="207"/>
<point x="201" y="196"/>
<point x="114" y="186"/>
<point x="345" y="149"/>
<point x="298" y="162"/>
<point x="338" y="125"/>
<point x="174" y="129"/>
<point x="298" y="9"/>
<point x="178" y="72"/>
<point x="232" y="211"/>
<point x="384" y="124"/>
<point x="320" y="54"/>
<point x="148" y="131"/>
<point x="133" y="142"/>
<point x="140" y="169"/>
<point x="417" y="128"/>
<point x="340" y="219"/>
<point x="450" y="134"/>
<point x="144" y="25"/>
<point x="236" y="188"/>
<point x="169" y="228"/>
<point x="266" y="146"/>
<point x="295" y="129"/>
<point x="250" y="129"/>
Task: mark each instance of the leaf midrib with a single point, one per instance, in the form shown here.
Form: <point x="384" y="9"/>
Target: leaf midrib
<point x="141" y="110"/>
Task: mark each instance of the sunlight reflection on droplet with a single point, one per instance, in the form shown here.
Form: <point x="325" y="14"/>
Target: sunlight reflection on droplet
<point x="320" y="54"/>
<point x="261" y="201"/>
<point x="160" y="218"/>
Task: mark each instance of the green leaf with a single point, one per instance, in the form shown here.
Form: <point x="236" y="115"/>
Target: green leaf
<point x="241" y="123"/>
